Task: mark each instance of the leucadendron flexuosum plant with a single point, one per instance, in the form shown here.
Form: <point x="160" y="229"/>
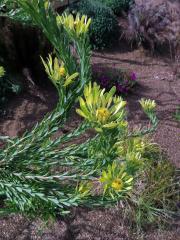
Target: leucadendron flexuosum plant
<point x="41" y="175"/>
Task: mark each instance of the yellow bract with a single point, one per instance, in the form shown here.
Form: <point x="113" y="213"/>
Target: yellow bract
<point x="129" y="145"/>
<point x="57" y="72"/>
<point x="103" y="110"/>
<point x="114" y="178"/>
<point x="46" y="4"/>
<point x="78" y="25"/>
<point x="148" y="105"/>
<point x="2" y="71"/>
<point x="84" y="188"/>
<point x="133" y="150"/>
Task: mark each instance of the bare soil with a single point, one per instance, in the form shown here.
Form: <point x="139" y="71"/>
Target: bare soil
<point x="157" y="79"/>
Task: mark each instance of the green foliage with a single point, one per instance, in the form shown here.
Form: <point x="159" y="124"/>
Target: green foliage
<point x="156" y="193"/>
<point x="156" y="201"/>
<point x="10" y="9"/>
<point x="117" y="5"/>
<point x="29" y="180"/>
<point x="62" y="40"/>
<point x="24" y="186"/>
<point x="7" y="87"/>
<point x="104" y="28"/>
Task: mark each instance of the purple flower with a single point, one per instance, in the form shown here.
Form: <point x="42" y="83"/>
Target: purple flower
<point x="133" y="76"/>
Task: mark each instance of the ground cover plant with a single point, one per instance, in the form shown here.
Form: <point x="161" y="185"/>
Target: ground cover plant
<point x="43" y="176"/>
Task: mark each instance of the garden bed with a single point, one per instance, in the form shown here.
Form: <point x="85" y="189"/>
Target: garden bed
<point x="157" y="80"/>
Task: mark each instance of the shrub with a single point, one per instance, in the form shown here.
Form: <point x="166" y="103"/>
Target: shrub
<point x="155" y="25"/>
<point x="117" y="6"/>
<point x="42" y="176"/>
<point x="10" y="9"/>
<point x="32" y="185"/>
<point x="104" y="28"/>
<point x="123" y="80"/>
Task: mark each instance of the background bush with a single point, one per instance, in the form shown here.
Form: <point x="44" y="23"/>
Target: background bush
<point x="104" y="28"/>
<point x="155" y="26"/>
<point x="10" y="9"/>
<point x="118" y="5"/>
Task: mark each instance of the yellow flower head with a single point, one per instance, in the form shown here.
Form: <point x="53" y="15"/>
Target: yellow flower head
<point x="130" y="145"/>
<point x="116" y="180"/>
<point x="74" y="26"/>
<point x="57" y="72"/>
<point x="148" y="105"/>
<point x="102" y="110"/>
<point x="46" y="4"/>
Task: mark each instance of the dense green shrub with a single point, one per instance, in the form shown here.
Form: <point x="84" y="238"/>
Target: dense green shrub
<point x="9" y="8"/>
<point x="104" y="27"/>
<point x="117" y="5"/>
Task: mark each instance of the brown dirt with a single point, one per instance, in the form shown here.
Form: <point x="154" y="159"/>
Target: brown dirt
<point x="157" y="80"/>
<point x="25" y="110"/>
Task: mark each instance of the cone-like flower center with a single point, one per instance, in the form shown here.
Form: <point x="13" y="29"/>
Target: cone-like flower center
<point x="62" y="71"/>
<point x="102" y="114"/>
<point x="117" y="184"/>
